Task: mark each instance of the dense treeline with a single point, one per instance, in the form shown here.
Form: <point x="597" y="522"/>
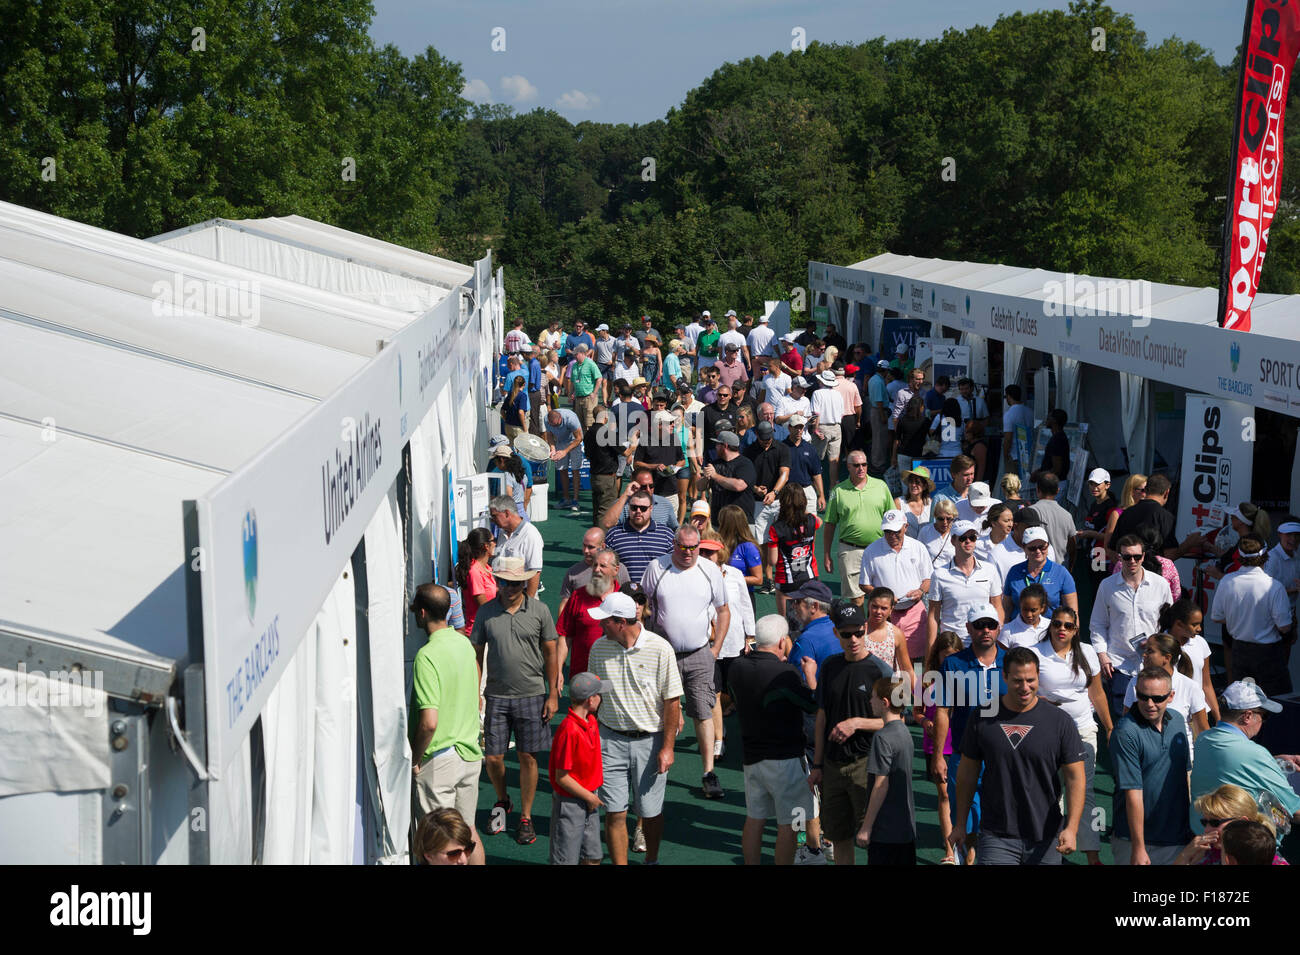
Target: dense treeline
<point x="1064" y="149"/>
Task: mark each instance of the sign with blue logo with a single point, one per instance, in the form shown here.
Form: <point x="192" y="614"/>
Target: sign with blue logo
<point x="940" y="471"/>
<point x="250" y="562"/>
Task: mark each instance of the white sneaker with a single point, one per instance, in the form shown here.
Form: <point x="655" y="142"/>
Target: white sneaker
<point x="638" y="839"/>
<point x="806" y="856"/>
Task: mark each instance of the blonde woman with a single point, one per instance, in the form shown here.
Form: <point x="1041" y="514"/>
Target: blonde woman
<point x="1135" y="489"/>
<point x="937" y="535"/>
<point x="1226" y="804"/>
<point x="1010" y="487"/>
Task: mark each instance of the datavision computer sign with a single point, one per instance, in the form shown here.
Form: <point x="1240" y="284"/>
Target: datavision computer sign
<point x="277" y="533"/>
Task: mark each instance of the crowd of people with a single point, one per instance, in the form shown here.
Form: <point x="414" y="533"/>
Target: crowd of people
<point x="715" y="458"/>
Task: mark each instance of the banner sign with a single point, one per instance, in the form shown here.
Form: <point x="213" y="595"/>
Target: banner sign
<point x="901" y="331"/>
<point x="939" y="356"/>
<point x="275" y="534"/>
<point x="940" y="471"/>
<point x="1270" y="43"/>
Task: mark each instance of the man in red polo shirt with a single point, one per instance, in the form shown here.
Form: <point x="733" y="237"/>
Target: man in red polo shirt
<point x="576" y="628"/>
<point x="576" y="772"/>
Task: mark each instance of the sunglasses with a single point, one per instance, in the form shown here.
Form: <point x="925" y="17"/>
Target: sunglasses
<point x="969" y="538"/>
<point x="639" y="507"/>
<point x="687" y="548"/>
<point x="852" y="464"/>
<point x="1064" y="625"/>
<point x="941" y="519"/>
<point x="845" y="634"/>
<point x="1035" y="548"/>
<point x="1130" y="557"/>
<point x="459" y="853"/>
<point x="1212" y="823"/>
<point x="1153" y="698"/>
<point x="985" y="624"/>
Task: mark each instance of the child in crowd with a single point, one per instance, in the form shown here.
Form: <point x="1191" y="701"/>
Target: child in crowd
<point x="576" y="773"/>
<point x="888" y="830"/>
<point x="945" y="645"/>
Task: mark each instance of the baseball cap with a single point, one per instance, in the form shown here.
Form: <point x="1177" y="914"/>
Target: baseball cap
<point x="729" y="439"/>
<point x="635" y="591"/>
<point x="730" y="312"/>
<point x="827" y="378"/>
<point x="710" y="545"/>
<point x="526" y="347"/>
<point x="983" y="611"/>
<point x="811" y="590"/>
<point x="1035" y="534"/>
<point x="962" y="528"/>
<point x="789" y="336"/>
<point x="502" y="451"/>
<point x="1288" y="527"/>
<point x="497" y="439"/>
<point x="882" y="364"/>
<point x="848" y="616"/>
<point x="705" y="313"/>
<point x="1246" y="695"/>
<point x="732" y="346"/>
<point x="799" y="382"/>
<point x="1098" y="476"/>
<point x="893" y="521"/>
<point x="602" y="327"/>
<point x="763" y="319"/>
<point x="617" y="604"/>
<point x="765" y="429"/>
<point x="586" y="685"/>
<point x="901" y="349"/>
<point x="701" y="507"/>
<point x="797" y="421"/>
<point x="1026" y="517"/>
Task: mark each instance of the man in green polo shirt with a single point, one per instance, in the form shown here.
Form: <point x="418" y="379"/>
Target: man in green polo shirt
<point x="588" y="386"/>
<point x="858" y="504"/>
<point x="444" y="716"/>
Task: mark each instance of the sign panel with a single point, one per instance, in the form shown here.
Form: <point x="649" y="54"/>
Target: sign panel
<point x="276" y="533"/>
<point x="939" y="356"/>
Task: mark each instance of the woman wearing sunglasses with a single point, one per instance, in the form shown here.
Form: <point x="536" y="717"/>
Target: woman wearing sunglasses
<point x="443" y="838"/>
<point x="936" y="536"/>
<point x="1069" y="676"/>
<point x="1226" y="804"/>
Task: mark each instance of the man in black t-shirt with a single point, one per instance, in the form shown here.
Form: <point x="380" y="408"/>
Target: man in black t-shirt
<point x="1151" y="512"/>
<point x="732" y="475"/>
<point x="1023" y="747"/>
<point x="719" y="416"/>
<point x="661" y="455"/>
<point x="770" y="702"/>
<point x="845" y="725"/>
<point x="600" y="445"/>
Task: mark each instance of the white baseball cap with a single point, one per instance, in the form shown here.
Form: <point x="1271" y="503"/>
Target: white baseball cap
<point x="962" y="528"/>
<point x="979" y="489"/>
<point x="602" y="328"/>
<point x="797" y="421"/>
<point x="1034" y="534"/>
<point x="1288" y="527"/>
<point x="762" y="319"/>
<point x="1246" y="695"/>
<point x="730" y="312"/>
<point x="616" y="604"/>
<point x="893" y="521"/>
<point x="706" y="313"/>
<point x="799" y="382"/>
<point x="1098" y="476"/>
<point x="882" y="364"/>
<point x="982" y="611"/>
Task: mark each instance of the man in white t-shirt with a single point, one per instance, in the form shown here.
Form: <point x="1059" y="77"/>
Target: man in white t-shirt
<point x="902" y="564"/>
<point x="517" y="538"/>
<point x="695" y="329"/>
<point x="516" y="337"/>
<point x="681" y="589"/>
<point x="759" y="341"/>
<point x="1255" y="610"/>
<point x="795" y="403"/>
<point x="733" y="336"/>
<point x="774" y="382"/>
<point x="828" y="408"/>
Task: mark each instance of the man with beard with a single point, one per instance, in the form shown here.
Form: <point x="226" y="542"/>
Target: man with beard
<point x="579" y="574"/>
<point x="577" y="629"/>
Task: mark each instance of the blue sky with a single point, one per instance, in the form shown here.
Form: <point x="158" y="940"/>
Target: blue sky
<point x="632" y="60"/>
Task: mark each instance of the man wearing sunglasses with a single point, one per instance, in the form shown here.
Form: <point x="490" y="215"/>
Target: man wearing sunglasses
<point x="1148" y="751"/>
<point x="1125" y="611"/>
<point x="1037" y="569"/>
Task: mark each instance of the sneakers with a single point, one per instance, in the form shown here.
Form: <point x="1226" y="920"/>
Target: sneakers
<point x="638" y="839"/>
<point x="719" y="747"/>
<point x="767" y="588"/>
<point x="806" y="856"/>
<point x="501" y="810"/>
<point x="712" y="788"/>
<point x="526" y="835"/>
<point x="575" y="507"/>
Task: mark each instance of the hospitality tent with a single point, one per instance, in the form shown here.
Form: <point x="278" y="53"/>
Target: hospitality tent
<point x="135" y="378"/>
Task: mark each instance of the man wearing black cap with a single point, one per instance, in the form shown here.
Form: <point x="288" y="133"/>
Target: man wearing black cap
<point x="844" y="727"/>
<point x="771" y="459"/>
<point x="732" y="475"/>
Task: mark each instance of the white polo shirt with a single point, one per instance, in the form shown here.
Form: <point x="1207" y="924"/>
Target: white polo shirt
<point x="828" y="405"/>
<point x="1285" y="570"/>
<point x="731" y="338"/>
<point x="525" y="542"/>
<point x="760" y="340"/>
<point x="939" y="546"/>
<point x="791" y="405"/>
<point x="1017" y="633"/>
<point x="902" y="571"/>
<point x="683" y="600"/>
<point x="956" y="594"/>
<point x="1251" y="605"/>
<point x="776" y="387"/>
<point x="1122" y="618"/>
<point x="1058" y="683"/>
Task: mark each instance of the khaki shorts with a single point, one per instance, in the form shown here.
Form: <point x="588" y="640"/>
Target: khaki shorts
<point x="778" y="787"/>
<point x="447" y="782"/>
<point x="829" y="446"/>
<point x="697" y="681"/>
<point x="844" y="798"/>
<point x="849" y="560"/>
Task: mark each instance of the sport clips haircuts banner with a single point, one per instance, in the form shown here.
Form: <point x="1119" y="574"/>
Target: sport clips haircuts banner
<point x="1269" y="48"/>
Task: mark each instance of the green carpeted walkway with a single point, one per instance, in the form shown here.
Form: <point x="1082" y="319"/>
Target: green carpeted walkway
<point x="700" y="831"/>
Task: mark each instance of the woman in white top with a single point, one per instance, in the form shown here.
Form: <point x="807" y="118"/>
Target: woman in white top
<point x="991" y="549"/>
<point x="1182" y="621"/>
<point x="739" y="632"/>
<point x="1029" y="627"/>
<point x="1069" y="675"/>
<point x="1162" y="650"/>
<point x="915" y="502"/>
<point x="937" y="535"/>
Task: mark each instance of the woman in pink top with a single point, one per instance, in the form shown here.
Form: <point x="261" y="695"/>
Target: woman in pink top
<point x="474" y="573"/>
<point x="945" y="645"/>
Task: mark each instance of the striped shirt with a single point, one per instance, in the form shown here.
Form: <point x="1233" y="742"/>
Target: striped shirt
<point x="635" y="549"/>
<point x="644" y="678"/>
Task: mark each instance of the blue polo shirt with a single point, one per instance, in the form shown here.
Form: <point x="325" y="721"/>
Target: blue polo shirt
<point x="804" y="463"/>
<point x="966" y="687"/>
<point x="1154" y="761"/>
<point x="817" y="640"/>
<point x="1053" y="578"/>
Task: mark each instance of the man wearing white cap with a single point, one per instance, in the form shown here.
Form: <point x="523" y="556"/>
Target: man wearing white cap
<point x="605" y="347"/>
<point x="1125" y="611"/>
<point x="1037" y="569"/>
<point x="828" y="410"/>
<point x="638" y="717"/>
<point x="1254" y="608"/>
<point x="759" y="341"/>
<point x="1228" y="754"/>
<point x="1094" y="529"/>
<point x="902" y="564"/>
<point x="796" y="402"/>
<point x="959" y="584"/>
<point x="1284" y="559"/>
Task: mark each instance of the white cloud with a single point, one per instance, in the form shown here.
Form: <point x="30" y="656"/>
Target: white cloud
<point x="518" y="89"/>
<point x="477" y="91"/>
<point x="578" y="100"/>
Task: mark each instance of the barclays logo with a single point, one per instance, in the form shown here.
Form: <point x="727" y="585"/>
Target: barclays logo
<point x="250" y="562"/>
<point x="1069" y="325"/>
<point x="1234" y="355"/>
<point x="967" y="304"/>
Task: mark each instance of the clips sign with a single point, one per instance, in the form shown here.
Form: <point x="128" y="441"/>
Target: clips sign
<point x="1269" y="48"/>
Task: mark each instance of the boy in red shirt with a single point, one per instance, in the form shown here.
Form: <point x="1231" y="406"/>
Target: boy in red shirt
<point x="575" y="773"/>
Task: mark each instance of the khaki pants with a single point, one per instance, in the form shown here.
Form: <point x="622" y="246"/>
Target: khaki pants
<point x="849" y="560"/>
<point x="447" y="782"/>
<point x="604" y="492"/>
<point x="585" y="406"/>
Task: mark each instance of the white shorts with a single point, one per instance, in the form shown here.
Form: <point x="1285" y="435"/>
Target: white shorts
<point x="778" y="787"/>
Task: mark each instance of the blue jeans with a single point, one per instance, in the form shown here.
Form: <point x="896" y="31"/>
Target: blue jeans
<point x="1004" y="850"/>
<point x="973" y="820"/>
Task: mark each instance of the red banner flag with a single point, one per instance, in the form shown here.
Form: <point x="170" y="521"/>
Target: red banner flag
<point x="1268" y="55"/>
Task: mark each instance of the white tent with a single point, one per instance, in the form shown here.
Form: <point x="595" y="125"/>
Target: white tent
<point x="133" y="378"/>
